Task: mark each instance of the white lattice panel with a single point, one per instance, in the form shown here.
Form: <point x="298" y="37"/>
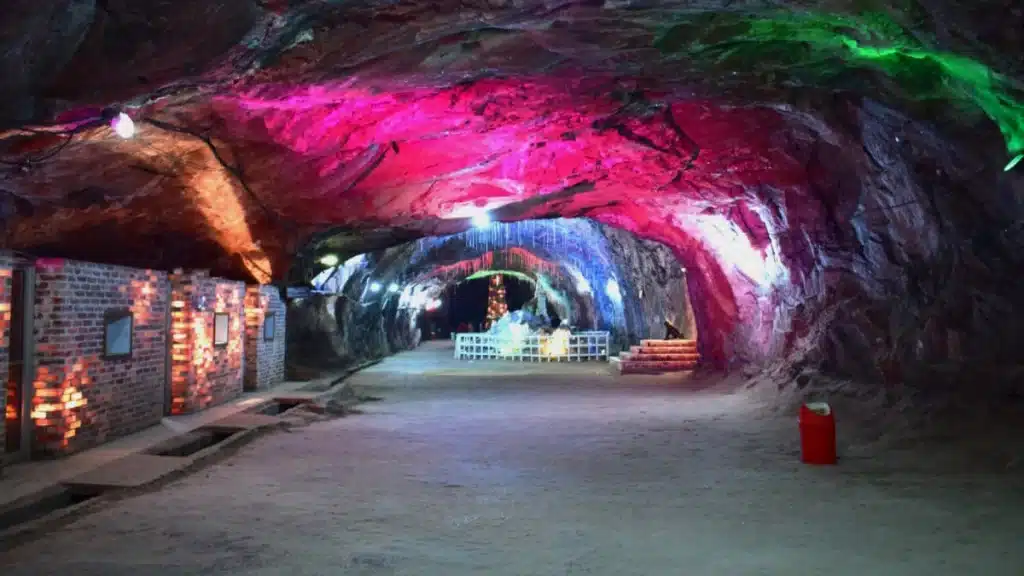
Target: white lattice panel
<point x="578" y="347"/>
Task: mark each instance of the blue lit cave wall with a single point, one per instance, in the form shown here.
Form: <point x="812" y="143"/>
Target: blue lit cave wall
<point x="595" y="276"/>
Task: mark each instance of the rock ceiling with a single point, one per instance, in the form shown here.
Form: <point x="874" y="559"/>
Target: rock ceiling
<point x="767" y="142"/>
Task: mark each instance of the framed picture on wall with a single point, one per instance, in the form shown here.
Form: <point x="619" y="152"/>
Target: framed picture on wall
<point x="221" y="324"/>
<point x="269" y="327"/>
<point x="118" y="326"/>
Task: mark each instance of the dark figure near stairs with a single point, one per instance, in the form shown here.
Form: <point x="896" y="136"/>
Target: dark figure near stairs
<point x="671" y="332"/>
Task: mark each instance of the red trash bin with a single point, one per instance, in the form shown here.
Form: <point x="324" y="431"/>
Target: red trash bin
<point x="817" y="434"/>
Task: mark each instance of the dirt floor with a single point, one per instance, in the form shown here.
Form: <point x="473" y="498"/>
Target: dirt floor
<point x="521" y="470"/>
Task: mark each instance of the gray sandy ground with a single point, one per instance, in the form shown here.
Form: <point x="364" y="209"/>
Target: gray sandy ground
<point x="499" y="470"/>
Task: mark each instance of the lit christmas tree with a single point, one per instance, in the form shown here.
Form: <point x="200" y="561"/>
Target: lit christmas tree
<point x="496" y="305"/>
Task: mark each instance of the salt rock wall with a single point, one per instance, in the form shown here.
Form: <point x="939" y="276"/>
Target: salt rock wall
<point x="910" y="282"/>
<point x="335" y="331"/>
<point x="653" y="286"/>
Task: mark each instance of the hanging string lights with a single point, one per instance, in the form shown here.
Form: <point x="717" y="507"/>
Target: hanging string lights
<point x="497" y="306"/>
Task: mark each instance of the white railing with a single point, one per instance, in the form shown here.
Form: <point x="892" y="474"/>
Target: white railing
<point x="577" y="347"/>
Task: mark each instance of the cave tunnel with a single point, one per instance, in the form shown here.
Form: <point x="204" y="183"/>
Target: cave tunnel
<point x="825" y="197"/>
<point x="800" y="205"/>
<point x="590" y="275"/>
<point x="805" y="167"/>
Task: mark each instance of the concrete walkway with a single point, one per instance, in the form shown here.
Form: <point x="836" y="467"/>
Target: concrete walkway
<point x="21" y="480"/>
<point x="511" y="470"/>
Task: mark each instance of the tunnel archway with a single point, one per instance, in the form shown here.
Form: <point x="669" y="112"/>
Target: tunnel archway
<point x="523" y="282"/>
<point x="594" y="275"/>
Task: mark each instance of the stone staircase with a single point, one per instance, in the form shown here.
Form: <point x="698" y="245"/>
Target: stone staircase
<point x="658" y="356"/>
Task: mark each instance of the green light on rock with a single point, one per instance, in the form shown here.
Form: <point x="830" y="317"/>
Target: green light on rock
<point x="823" y="45"/>
<point x="1014" y="162"/>
<point x="486" y="273"/>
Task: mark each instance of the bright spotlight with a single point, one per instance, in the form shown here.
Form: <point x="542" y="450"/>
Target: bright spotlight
<point x="481" y="220"/>
<point x="329" y="260"/>
<point x="612" y="290"/>
<point x="374" y="287"/>
<point x="123" y="126"/>
<point x="433" y="305"/>
<point x="393" y="287"/>
<point x="582" y="286"/>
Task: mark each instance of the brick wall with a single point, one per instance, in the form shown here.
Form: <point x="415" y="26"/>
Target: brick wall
<point x="202" y="374"/>
<point x="10" y="412"/>
<point x="264" y="359"/>
<point x="82" y="398"/>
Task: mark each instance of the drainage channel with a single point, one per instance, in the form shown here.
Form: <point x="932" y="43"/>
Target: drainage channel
<point x="58" y="499"/>
<point x="279" y="406"/>
<point x="191" y="442"/>
<point x="67" y="498"/>
<point x="64" y="499"/>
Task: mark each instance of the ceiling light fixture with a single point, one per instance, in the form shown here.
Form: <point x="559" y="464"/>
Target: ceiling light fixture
<point x="481" y="220"/>
<point x="613" y="291"/>
<point x="374" y="287"/>
<point x="329" y="260"/>
<point x="123" y="125"/>
<point x="393" y="287"/>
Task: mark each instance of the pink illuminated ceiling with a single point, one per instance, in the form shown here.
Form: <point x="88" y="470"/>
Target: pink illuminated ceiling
<point x="354" y="156"/>
<point x="257" y="171"/>
<point x="349" y="156"/>
<point x="305" y="158"/>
